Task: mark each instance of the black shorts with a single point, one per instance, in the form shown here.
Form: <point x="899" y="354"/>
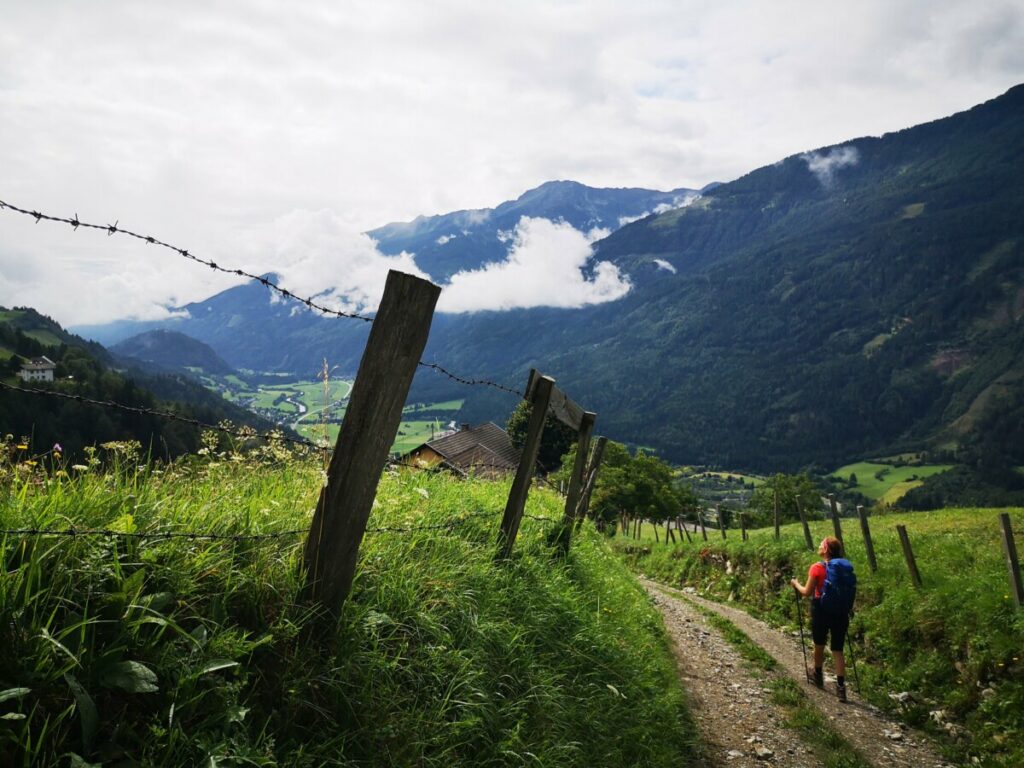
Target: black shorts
<point x="824" y="624"/>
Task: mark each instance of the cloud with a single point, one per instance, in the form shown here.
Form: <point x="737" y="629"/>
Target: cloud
<point x="825" y="166"/>
<point x="679" y="201"/>
<point x="545" y="267"/>
<point x="662" y="264"/>
<point x="445" y="239"/>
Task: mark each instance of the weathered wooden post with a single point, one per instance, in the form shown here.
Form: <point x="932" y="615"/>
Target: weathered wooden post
<point x="1012" y="563"/>
<point x="865" y="529"/>
<point x="836" y="527"/>
<point x="803" y="522"/>
<point x="743" y="525"/>
<point x="721" y="525"/>
<point x="563" y="535"/>
<point x="700" y="519"/>
<point x="583" y="509"/>
<point x="669" y="531"/>
<point x="908" y="555"/>
<point x="539" y="395"/>
<point x="686" y="531"/>
<point x="639" y="527"/>
<point x="776" y="515"/>
<point x="397" y="338"/>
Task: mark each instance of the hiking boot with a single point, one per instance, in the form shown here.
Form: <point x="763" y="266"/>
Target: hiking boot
<point x="816" y="677"/>
<point x="841" y="693"/>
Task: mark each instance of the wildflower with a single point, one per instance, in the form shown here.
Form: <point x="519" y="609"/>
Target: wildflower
<point x="423" y="492"/>
<point x="323" y="478"/>
<point x="80" y="467"/>
<point x="57" y="448"/>
<point x="22" y="447"/>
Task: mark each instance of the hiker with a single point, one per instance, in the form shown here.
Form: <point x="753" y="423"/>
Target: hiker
<point x="833" y="586"/>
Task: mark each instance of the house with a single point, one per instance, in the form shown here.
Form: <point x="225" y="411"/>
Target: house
<point x="484" y="450"/>
<point x="38" y="369"/>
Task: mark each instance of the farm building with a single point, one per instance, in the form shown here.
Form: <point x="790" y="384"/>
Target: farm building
<point x="485" y="450"/>
<point x="38" y="369"/>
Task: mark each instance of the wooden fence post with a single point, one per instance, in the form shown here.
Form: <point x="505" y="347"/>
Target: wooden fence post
<point x="1012" y="563"/>
<point x="563" y="534"/>
<point x="686" y="532"/>
<point x="776" y="515"/>
<point x="516" y="504"/>
<point x="836" y="527"/>
<point x="583" y="508"/>
<point x="869" y="547"/>
<point x="669" y="531"/>
<point x="808" y="541"/>
<point x="397" y="338"/>
<point x="743" y="525"/>
<point x="700" y="519"/>
<point x="908" y="555"/>
<point x="721" y="527"/>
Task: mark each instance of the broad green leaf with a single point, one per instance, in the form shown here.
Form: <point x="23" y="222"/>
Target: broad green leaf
<point x="87" y="714"/>
<point x="13" y="693"/>
<point x="131" y="676"/>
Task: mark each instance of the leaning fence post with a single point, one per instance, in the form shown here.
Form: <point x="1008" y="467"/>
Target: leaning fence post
<point x="743" y="525"/>
<point x="540" y="396"/>
<point x="700" y="519"/>
<point x="808" y="541"/>
<point x="836" y="527"/>
<point x="865" y="529"/>
<point x="669" y="531"/>
<point x="682" y="524"/>
<point x="563" y="535"/>
<point x="776" y="515"/>
<point x="1012" y="563"/>
<point x="397" y="338"/>
<point x="583" y="508"/>
<point x="908" y="555"/>
<point x="721" y="527"/>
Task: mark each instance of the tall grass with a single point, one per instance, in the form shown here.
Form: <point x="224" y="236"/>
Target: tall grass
<point x="117" y="651"/>
<point x="957" y="645"/>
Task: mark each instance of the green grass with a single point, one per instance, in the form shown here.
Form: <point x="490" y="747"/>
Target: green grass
<point x="900" y="479"/>
<point x="189" y="652"/>
<point x="946" y="643"/>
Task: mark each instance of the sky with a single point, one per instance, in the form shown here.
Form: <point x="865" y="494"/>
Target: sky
<point x="270" y="136"/>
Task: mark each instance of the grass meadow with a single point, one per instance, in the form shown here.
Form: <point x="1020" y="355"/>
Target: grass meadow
<point x="119" y="651"/>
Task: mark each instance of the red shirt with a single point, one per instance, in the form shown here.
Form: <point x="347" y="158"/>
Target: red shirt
<point x="818" y="573"/>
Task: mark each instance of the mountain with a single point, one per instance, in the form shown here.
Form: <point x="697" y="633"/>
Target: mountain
<point x="465" y="240"/>
<point x="845" y="302"/>
<point x="172" y="351"/>
<point x="86" y="369"/>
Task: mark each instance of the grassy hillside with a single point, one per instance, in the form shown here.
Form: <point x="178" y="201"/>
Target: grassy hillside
<point x="887" y="483"/>
<point x="195" y="652"/>
<point x="957" y="645"/>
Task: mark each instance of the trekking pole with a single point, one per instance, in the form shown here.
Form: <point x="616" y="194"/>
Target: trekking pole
<point x="800" y="623"/>
<point x="853" y="661"/>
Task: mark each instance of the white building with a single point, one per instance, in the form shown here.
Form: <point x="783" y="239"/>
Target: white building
<point x="38" y="369"/>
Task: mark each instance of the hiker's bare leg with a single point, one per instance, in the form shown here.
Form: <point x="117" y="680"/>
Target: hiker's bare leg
<point x="819" y="656"/>
<point x="840" y="661"/>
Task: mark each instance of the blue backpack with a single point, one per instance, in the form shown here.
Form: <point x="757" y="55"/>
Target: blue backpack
<point x="840" y="587"/>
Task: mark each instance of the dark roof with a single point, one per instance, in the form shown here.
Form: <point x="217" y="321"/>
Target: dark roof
<point x="486" y="445"/>
<point x="39" y="363"/>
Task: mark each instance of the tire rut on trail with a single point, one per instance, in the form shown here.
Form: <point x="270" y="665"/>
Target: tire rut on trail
<point x="734" y="711"/>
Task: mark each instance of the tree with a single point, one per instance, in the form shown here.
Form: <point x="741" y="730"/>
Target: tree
<point x="787" y="488"/>
<point x="555" y="442"/>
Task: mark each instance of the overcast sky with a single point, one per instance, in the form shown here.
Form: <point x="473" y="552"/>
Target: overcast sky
<point x="244" y="131"/>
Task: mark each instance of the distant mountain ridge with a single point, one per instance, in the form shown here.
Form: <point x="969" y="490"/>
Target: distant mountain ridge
<point x="172" y="351"/>
<point x="841" y="303"/>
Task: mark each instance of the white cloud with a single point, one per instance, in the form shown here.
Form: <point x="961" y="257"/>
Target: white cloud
<point x="679" y="201"/>
<point x="545" y="267"/>
<point x="445" y="239"/>
<point x="667" y="266"/>
<point x="824" y="166"/>
<point x="196" y="121"/>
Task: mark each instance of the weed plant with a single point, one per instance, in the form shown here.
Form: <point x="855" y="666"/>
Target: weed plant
<point x="956" y="646"/>
<point x="118" y="651"/>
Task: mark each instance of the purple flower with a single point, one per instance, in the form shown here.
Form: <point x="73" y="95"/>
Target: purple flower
<point x="57" y="448"/>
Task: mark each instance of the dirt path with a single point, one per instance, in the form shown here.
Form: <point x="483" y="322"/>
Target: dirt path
<point x="734" y="710"/>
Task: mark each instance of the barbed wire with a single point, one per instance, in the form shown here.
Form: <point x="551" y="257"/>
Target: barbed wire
<point x="114" y="229"/>
<point x="141" y="409"/>
<point x="471" y="382"/>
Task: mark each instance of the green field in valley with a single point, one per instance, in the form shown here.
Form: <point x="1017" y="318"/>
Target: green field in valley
<point x="886" y="483"/>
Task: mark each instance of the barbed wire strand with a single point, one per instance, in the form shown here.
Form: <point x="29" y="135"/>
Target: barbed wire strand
<point x="114" y="229"/>
<point x="140" y="409"/>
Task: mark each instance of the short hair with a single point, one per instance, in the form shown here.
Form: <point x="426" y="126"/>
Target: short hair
<point x="831" y="545"/>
